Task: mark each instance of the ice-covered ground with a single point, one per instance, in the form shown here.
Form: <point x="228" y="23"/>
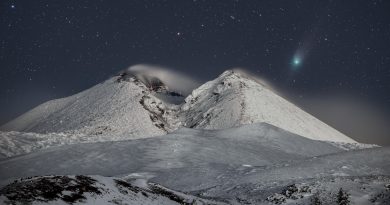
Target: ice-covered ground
<point x="15" y="143"/>
<point x="244" y="164"/>
<point x="256" y="144"/>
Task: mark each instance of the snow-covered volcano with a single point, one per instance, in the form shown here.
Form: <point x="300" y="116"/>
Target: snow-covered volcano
<point x="231" y="141"/>
<point x="234" y="99"/>
<point x="121" y="106"/>
<point x="134" y="107"/>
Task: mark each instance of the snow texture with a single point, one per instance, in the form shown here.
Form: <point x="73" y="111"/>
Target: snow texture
<point x="127" y="108"/>
<point x="249" y="164"/>
<point x="111" y="108"/>
<point x="256" y="144"/>
<point x="231" y="141"/>
<point x="233" y="99"/>
<point x="91" y="190"/>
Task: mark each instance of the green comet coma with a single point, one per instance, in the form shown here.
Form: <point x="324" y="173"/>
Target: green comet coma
<point x="296" y="61"/>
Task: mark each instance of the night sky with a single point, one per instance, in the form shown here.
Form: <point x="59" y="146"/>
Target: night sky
<point x="331" y="58"/>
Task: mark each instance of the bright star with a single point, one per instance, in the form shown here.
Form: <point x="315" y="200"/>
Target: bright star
<point x="12" y="6"/>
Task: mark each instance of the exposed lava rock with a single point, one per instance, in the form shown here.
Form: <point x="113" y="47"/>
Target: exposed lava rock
<point x="50" y="188"/>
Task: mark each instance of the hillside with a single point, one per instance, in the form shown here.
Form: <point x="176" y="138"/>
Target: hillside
<point x="129" y="108"/>
<point x="252" y="164"/>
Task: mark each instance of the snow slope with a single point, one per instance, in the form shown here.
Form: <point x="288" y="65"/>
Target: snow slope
<point x="363" y="173"/>
<point x="247" y="164"/>
<point x="203" y="150"/>
<point x="233" y="99"/>
<point x="16" y="143"/>
<point x="232" y="141"/>
<point x="128" y="108"/>
<point x="114" y="107"/>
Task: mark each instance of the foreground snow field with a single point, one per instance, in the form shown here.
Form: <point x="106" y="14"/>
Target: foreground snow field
<point x="252" y="163"/>
<point x="256" y="144"/>
<point x="133" y="140"/>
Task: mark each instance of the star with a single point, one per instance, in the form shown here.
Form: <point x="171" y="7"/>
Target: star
<point x="12" y="6"/>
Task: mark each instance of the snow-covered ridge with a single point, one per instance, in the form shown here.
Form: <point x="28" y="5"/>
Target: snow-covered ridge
<point x="255" y="145"/>
<point x="233" y="99"/>
<point x="15" y="143"/>
<point x="130" y="108"/>
<point x="112" y="108"/>
<point x="231" y="141"/>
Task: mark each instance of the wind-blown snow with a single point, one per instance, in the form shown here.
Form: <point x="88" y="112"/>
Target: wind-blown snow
<point x="174" y="80"/>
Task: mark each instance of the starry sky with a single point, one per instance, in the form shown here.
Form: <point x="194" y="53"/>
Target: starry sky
<point x="332" y="58"/>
